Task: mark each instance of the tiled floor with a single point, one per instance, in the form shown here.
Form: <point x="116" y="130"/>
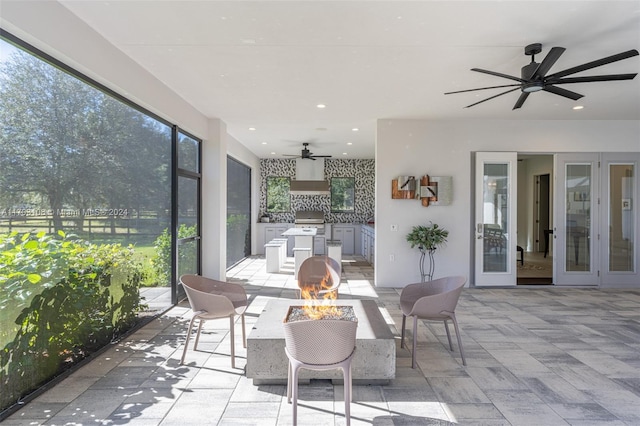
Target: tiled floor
<point x="536" y="356"/>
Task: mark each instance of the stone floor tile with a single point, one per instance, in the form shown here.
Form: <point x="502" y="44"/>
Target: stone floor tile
<point x="535" y="355"/>
<point x="587" y="411"/>
<point x="465" y="412"/>
<point x="457" y="390"/>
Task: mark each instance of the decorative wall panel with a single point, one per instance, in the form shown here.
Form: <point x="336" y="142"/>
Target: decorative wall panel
<point x="362" y="170"/>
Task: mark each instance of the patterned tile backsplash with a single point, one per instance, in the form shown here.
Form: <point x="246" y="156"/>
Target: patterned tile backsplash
<point x="362" y="170"/>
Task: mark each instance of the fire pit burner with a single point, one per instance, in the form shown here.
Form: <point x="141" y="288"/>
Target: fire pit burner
<point x="344" y="313"/>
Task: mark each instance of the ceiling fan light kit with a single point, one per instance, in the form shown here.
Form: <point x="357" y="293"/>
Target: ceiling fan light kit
<point x="533" y="76"/>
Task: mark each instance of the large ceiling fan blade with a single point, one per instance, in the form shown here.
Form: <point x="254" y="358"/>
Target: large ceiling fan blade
<point x="482" y="88"/>
<point x="548" y="61"/>
<point x="523" y="97"/>
<point x="588" y="79"/>
<point x="594" y="64"/>
<point x="497" y="74"/>
<point x="494" y="96"/>
<point x="562" y="92"/>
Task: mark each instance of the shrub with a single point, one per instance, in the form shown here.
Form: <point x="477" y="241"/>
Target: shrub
<point x="71" y="298"/>
<point x="162" y="262"/>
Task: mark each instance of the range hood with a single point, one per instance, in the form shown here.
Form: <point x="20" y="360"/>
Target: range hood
<point x="309" y="187"/>
<point x="309" y="178"/>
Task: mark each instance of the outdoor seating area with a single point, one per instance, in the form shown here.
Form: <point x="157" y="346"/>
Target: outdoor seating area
<point x="535" y="355"/>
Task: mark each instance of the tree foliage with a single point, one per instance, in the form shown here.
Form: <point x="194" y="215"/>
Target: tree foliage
<point x="278" y="197"/>
<point x="72" y="146"/>
<point x="343" y="194"/>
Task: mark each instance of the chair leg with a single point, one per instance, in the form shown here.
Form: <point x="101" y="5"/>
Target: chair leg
<point x="455" y="325"/>
<point x="195" y="346"/>
<point x="186" y="343"/>
<point x="404" y="320"/>
<point x="244" y="332"/>
<point x="347" y="393"/>
<point x="415" y="342"/>
<point x="289" y="383"/>
<point x="294" y="386"/>
<point x="446" y="327"/>
<point x="233" y="342"/>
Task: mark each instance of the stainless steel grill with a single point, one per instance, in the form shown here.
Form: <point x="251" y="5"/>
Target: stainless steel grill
<point x="310" y="219"/>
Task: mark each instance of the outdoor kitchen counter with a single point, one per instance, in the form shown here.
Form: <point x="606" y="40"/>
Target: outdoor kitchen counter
<point x="300" y="232"/>
<point x="374" y="361"/>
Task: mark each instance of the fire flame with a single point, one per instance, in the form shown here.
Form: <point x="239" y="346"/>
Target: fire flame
<point x="318" y="302"/>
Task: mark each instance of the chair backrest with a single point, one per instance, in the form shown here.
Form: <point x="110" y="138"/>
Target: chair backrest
<point x="440" y="295"/>
<point x="320" y="342"/>
<point x="316" y="268"/>
<point x="208" y="295"/>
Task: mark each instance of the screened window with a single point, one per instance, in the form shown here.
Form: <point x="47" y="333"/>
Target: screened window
<point x="343" y="194"/>
<point x="278" y="197"/>
<point x="238" y="211"/>
<point x="85" y="215"/>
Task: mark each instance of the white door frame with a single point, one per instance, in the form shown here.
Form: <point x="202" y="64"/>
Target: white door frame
<point x="576" y="222"/>
<point x="508" y="276"/>
<point x="611" y="205"/>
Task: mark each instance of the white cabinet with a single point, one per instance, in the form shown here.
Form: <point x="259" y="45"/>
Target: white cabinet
<point x="318" y="245"/>
<point x="346" y="234"/>
<point x="368" y="238"/>
<point x="267" y="232"/>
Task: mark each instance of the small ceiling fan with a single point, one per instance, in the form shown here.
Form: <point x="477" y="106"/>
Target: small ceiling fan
<point x="534" y="78"/>
<point x="306" y="154"/>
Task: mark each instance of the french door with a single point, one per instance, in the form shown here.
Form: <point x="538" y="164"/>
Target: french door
<point x="495" y="218"/>
<point x="596" y="224"/>
<point x="576" y="221"/>
<point x="620" y="220"/>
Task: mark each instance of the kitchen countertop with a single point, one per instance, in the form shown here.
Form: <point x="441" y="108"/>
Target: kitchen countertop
<point x="299" y="232"/>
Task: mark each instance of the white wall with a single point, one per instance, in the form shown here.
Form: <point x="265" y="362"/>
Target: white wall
<point x="444" y="148"/>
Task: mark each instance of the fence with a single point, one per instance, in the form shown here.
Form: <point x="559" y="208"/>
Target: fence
<point x="146" y="223"/>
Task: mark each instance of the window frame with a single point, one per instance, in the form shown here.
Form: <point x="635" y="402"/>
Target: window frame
<point x="351" y="188"/>
<point x="288" y="181"/>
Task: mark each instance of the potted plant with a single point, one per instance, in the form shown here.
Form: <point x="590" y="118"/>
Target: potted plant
<point x="427" y="239"/>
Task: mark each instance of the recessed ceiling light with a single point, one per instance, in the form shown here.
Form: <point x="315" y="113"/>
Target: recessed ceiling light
<point x="321" y="106"/>
<point x="349" y="143"/>
<point x="355" y="129"/>
<point x="264" y="143"/>
<point x="273" y="153"/>
<point x="344" y="153"/>
<point x="252" y="128"/>
<point x="577" y="107"/>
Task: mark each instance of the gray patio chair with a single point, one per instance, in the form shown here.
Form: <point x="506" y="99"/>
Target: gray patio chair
<point x="314" y="270"/>
<point x="212" y="299"/>
<point x="320" y="345"/>
<point x="433" y="300"/>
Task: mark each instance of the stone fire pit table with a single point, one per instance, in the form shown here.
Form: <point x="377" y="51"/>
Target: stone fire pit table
<point x="373" y="363"/>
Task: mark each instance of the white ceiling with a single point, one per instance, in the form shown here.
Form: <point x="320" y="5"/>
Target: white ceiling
<point x="267" y="64"/>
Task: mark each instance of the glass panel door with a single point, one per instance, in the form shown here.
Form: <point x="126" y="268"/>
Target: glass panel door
<point x="620" y="172"/>
<point x="576" y="220"/>
<point x="495" y="233"/>
<point x="187" y="210"/>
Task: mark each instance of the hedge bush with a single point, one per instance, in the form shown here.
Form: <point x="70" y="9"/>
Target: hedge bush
<point x="61" y="298"/>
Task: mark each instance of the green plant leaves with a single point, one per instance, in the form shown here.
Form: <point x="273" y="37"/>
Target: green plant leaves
<point x="428" y="237"/>
<point x="34" y="278"/>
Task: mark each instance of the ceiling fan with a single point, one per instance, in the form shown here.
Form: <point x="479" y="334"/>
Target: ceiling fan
<point x="306" y="154"/>
<point x="533" y="77"/>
